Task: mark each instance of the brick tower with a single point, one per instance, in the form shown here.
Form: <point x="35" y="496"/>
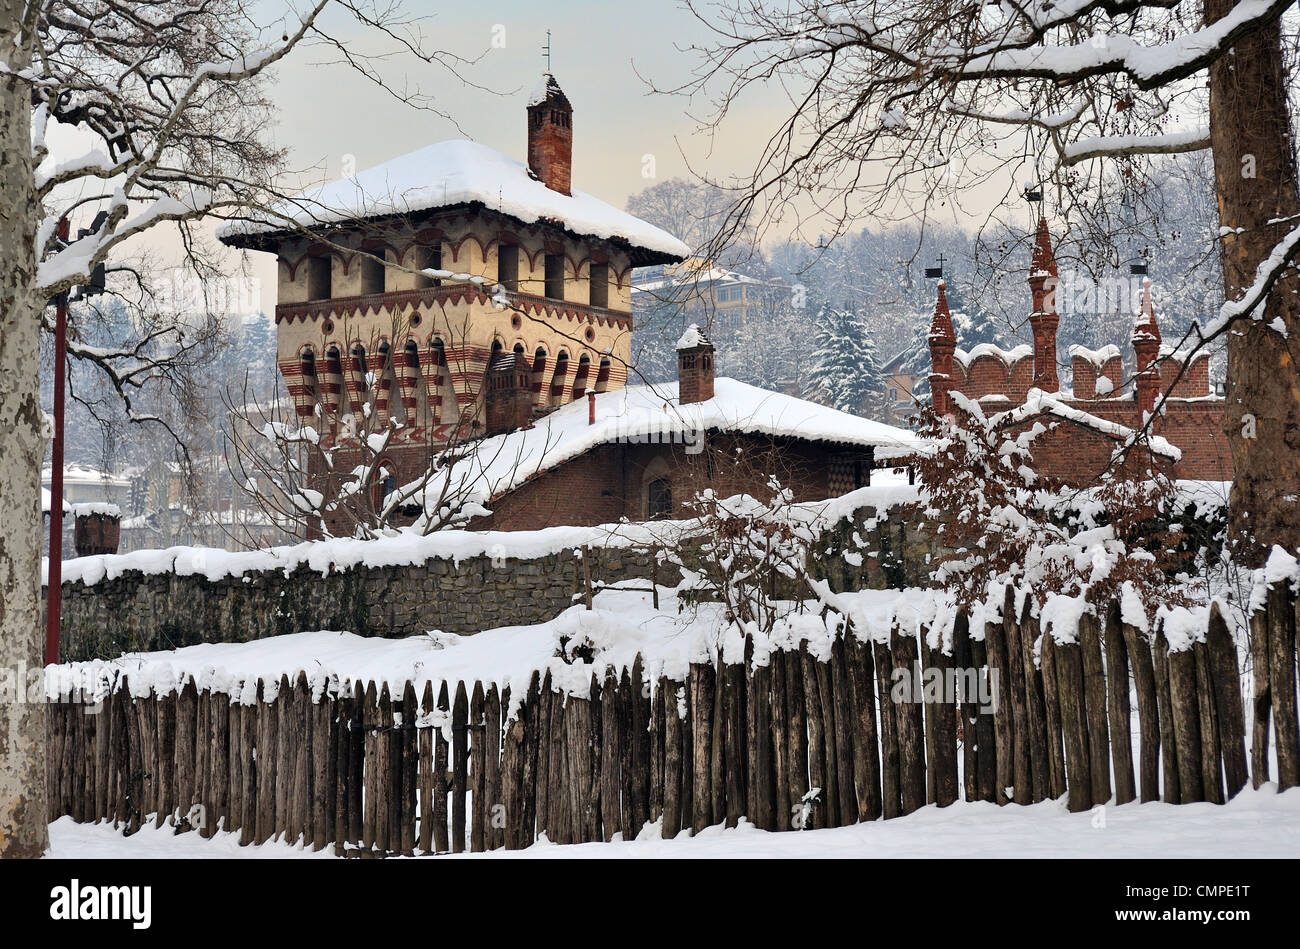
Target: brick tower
<point x="1146" y="345"/>
<point x="943" y="342"/>
<point x="1044" y="318"/>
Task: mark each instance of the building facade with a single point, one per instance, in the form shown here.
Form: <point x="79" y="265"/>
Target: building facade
<point x="1102" y="406"/>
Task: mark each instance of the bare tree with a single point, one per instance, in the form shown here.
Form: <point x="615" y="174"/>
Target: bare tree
<point x="169" y="99"/>
<point x="897" y="107"/>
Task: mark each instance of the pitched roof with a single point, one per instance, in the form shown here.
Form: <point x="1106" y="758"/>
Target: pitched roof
<point x="453" y="174"/>
<point x="651" y="414"/>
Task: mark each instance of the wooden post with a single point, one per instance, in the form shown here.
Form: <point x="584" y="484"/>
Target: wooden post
<point x="187" y="701"/>
<point x="610" y="749"/>
<point x="494" y="834"/>
<point x="460" y="765"/>
<point x="1168" y="744"/>
<point x="627" y="811"/>
<point x="1074" y="726"/>
<point x="911" y="726"/>
<point x="1211" y="748"/>
<point x="781" y="804"/>
<point x="1094" y="702"/>
<point x="762" y="807"/>
<point x="1262" y="699"/>
<point x="817" y="765"/>
<point x="640" y="740"/>
<point x="409" y="742"/>
<point x="532" y="783"/>
<point x="890" y="778"/>
<point x="425" y="746"/>
<point x="1280" y="606"/>
<point x="1016" y="691"/>
<point x="701" y="677"/>
<point x="673" y="715"/>
<point x="1187" y="724"/>
<point x="995" y="643"/>
<point x="658" y="722"/>
<point x="1036" y="704"/>
<point x="267" y="739"/>
<point x="737" y="804"/>
<point x="843" y="710"/>
<point x="1144" y="684"/>
<point x="1227" y="698"/>
<point x="441" y="843"/>
<point x="478" y="818"/>
<point x="986" y="760"/>
<point x="1120" y="713"/>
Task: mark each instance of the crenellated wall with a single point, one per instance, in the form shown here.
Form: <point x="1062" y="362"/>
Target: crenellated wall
<point x="1191" y="416"/>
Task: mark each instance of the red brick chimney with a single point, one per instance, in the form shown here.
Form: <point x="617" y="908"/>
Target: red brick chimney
<point x="694" y="367"/>
<point x="1146" y="344"/>
<point x="510" y="394"/>
<point x="550" y="136"/>
<point x="943" y="342"/>
<point x="1044" y="319"/>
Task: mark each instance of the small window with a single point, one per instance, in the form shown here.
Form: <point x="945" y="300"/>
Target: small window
<point x="600" y="285"/>
<point x="508" y="266"/>
<point x="428" y="258"/>
<point x="318" y="278"/>
<point x="659" y="499"/>
<point x="372" y="275"/>
<point x="893" y="394"/>
<point x="555" y="276"/>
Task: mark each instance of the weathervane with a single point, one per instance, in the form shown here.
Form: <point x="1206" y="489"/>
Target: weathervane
<point x="937" y="271"/>
<point x="546" y="51"/>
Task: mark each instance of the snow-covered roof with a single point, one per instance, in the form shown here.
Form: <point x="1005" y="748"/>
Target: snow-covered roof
<point x="1038" y="402"/>
<point x="76" y="473"/>
<point x="649" y="414"/>
<point x="448" y="174"/>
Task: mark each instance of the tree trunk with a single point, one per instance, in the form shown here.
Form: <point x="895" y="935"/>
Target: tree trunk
<point x="1255" y="179"/>
<point x="23" y="831"/>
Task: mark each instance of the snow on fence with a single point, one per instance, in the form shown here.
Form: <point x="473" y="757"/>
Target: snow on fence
<point x="788" y="742"/>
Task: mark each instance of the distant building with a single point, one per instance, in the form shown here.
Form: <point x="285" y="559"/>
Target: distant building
<point x="899" y="385"/>
<point x="1101" y="409"/>
<point x="439" y="350"/>
<point x="513" y="342"/>
<point x="698" y="291"/>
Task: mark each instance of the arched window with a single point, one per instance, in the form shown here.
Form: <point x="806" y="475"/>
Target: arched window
<point x="659" y="499"/>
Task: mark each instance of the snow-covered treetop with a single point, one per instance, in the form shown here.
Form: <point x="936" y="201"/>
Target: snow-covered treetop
<point x="448" y="174"/>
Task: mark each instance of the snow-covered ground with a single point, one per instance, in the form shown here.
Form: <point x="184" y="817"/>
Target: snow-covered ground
<point x="1259" y="823"/>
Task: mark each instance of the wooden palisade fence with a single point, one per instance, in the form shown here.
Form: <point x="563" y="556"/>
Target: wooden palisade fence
<point x="792" y="741"/>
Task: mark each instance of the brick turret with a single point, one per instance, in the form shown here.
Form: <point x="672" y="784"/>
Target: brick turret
<point x="1044" y="318"/>
<point x="694" y="366"/>
<point x="550" y="136"/>
<point x="510" y="394"/>
<point x="1146" y="345"/>
<point x="943" y="343"/>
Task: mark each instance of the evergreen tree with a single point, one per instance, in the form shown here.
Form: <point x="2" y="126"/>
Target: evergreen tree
<point x="843" y="369"/>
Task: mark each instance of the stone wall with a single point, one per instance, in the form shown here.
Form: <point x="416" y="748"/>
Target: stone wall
<point x="135" y="610"/>
<point x="148" y="611"/>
